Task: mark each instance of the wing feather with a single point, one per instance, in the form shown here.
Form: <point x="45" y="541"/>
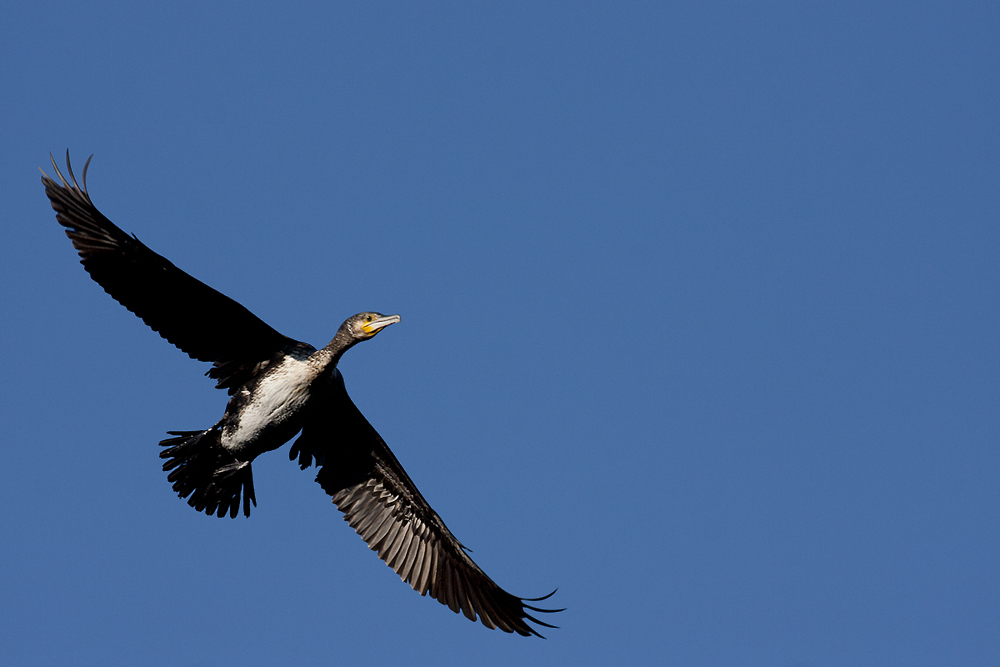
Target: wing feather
<point x="382" y="504"/>
<point x="204" y="323"/>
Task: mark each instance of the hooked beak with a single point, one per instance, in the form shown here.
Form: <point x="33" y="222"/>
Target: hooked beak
<point x="379" y="323"/>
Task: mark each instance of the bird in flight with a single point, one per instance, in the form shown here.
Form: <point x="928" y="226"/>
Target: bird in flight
<point x="280" y="387"/>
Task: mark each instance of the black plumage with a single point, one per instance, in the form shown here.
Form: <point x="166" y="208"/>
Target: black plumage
<point x="281" y="387"/>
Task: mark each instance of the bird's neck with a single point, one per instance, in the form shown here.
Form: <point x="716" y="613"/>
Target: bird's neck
<point x="328" y="357"/>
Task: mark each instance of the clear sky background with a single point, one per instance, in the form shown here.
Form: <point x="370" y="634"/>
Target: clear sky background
<point x="699" y="324"/>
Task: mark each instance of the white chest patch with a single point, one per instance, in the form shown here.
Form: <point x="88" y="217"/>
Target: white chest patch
<point x="276" y="400"/>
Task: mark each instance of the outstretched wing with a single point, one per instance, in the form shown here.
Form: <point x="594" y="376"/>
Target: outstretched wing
<point x="206" y="324"/>
<point x="383" y="505"/>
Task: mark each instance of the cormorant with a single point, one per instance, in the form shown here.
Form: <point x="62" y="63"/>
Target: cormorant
<point x="280" y="387"/>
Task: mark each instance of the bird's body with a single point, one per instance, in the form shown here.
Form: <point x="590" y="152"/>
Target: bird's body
<point x="280" y="387"/>
<point x="266" y="412"/>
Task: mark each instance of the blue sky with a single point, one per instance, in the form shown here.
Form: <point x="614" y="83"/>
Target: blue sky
<point x="699" y="325"/>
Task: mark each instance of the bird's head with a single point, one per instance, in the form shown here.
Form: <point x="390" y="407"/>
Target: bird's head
<point x="365" y="325"/>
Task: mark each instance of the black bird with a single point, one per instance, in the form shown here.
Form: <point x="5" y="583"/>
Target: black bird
<point x="280" y="387"/>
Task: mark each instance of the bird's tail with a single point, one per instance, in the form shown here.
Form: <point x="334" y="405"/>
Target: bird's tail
<point x="212" y="476"/>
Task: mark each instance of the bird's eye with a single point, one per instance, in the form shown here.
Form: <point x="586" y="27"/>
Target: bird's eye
<point x="368" y="318"/>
